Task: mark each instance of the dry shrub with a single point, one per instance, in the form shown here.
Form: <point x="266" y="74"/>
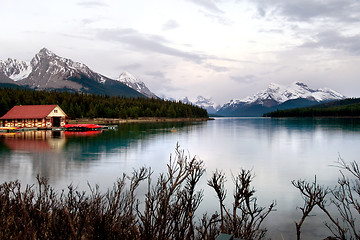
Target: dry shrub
<point x="167" y="212"/>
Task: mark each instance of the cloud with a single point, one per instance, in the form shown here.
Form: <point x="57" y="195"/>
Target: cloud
<point x="308" y="10"/>
<point x="217" y="68"/>
<point x="273" y="30"/>
<point x="91" y="4"/>
<point x="244" y="78"/>
<point x="148" y="43"/>
<point x="208" y="5"/>
<point x="156" y="74"/>
<point x="132" y="66"/>
<point x="212" y="11"/>
<point x="333" y="40"/>
<point x="343" y="10"/>
<point x="217" y="18"/>
<point x="328" y="25"/>
<point x="171" y="24"/>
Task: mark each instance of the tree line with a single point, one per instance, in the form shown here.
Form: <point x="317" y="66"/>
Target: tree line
<point x="342" y="108"/>
<point x="83" y="105"/>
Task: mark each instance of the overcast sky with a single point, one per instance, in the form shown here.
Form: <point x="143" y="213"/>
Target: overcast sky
<point x="222" y="49"/>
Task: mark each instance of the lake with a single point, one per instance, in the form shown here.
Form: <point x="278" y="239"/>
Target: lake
<point x="276" y="150"/>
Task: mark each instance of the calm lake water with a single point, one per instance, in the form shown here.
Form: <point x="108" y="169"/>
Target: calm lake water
<point x="276" y="150"/>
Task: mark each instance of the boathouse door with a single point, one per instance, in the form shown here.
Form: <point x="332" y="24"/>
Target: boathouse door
<point x="56" y="121"/>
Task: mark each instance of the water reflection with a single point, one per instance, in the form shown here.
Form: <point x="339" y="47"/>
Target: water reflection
<point x="33" y="141"/>
<point x="61" y="155"/>
<point x="278" y="151"/>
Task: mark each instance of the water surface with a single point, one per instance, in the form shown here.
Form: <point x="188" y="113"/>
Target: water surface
<point x="276" y="150"/>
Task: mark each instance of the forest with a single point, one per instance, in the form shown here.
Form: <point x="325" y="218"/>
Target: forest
<point x="342" y="108"/>
<point x="83" y="105"/>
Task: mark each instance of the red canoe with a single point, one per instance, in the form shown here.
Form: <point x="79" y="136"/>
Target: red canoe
<point x="83" y="127"/>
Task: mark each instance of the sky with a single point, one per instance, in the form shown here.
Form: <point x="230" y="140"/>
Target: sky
<point x="223" y="49"/>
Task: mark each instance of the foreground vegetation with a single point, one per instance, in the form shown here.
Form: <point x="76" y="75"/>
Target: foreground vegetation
<point x="82" y="105"/>
<point x="343" y="108"/>
<point x="169" y="207"/>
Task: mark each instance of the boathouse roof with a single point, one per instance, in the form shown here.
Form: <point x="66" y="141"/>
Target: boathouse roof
<point x="29" y="111"/>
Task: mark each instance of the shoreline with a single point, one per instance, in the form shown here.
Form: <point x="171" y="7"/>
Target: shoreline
<point x="137" y="120"/>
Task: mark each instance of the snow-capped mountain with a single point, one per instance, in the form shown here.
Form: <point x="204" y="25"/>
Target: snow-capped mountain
<point x="129" y="80"/>
<point x="14" y="69"/>
<point x="277" y="96"/>
<point x="200" y="101"/>
<point x="186" y="100"/>
<point x="47" y="71"/>
<point x="52" y="71"/>
<point x="206" y="103"/>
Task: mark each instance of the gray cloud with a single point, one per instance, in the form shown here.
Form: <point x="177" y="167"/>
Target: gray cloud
<point x="217" y="68"/>
<point x="208" y="5"/>
<point x="343" y="10"/>
<point x="156" y="74"/>
<point x="327" y="25"/>
<point x="147" y="43"/>
<point x="276" y="31"/>
<point x="244" y="78"/>
<point x="335" y="41"/>
<point x="212" y="11"/>
<point x="308" y="10"/>
<point x="171" y="24"/>
<point x="132" y="66"/>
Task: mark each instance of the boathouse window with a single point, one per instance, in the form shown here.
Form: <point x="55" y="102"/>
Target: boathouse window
<point x="55" y="111"/>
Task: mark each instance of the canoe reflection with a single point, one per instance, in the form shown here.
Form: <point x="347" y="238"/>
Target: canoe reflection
<point x="84" y="133"/>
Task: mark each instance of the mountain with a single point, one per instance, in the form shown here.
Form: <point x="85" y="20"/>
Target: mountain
<point x="14" y="69"/>
<point x="278" y="97"/>
<point x="129" y="80"/>
<point x="349" y="107"/>
<point x="47" y="71"/>
<point x="205" y="103"/>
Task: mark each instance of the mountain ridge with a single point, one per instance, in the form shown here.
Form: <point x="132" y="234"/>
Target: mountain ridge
<point x="277" y="96"/>
<point x="48" y="71"/>
<point x="131" y="81"/>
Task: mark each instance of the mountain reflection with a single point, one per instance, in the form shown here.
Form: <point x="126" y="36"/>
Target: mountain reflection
<point x="62" y="154"/>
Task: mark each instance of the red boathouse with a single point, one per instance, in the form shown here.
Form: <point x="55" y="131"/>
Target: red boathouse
<point x="29" y="116"/>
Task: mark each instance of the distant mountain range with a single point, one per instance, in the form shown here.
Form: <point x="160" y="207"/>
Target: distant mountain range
<point x="206" y="103"/>
<point x="275" y="97"/>
<point x="47" y="71"/>
<point x="278" y="97"/>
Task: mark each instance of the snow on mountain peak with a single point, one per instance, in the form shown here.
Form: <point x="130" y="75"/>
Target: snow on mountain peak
<point x="62" y="64"/>
<point x="47" y="52"/>
<point x="14" y="69"/>
<point x="128" y="77"/>
<point x="131" y="81"/>
<point x="206" y="103"/>
<point x="277" y="94"/>
<point x="185" y="100"/>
